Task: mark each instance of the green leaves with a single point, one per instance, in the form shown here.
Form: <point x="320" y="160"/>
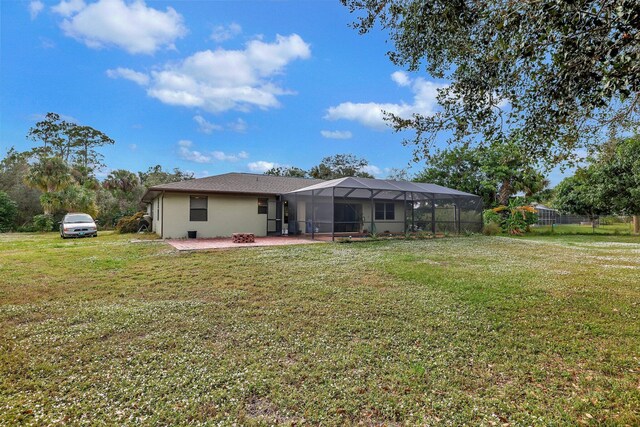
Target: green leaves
<point x="340" y="166"/>
<point x="608" y="185"/>
<point x="8" y="211"/>
<point x="565" y="69"/>
<point x="494" y="173"/>
<point x="72" y="143"/>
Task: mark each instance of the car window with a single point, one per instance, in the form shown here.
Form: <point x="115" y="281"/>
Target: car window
<point x="78" y="218"/>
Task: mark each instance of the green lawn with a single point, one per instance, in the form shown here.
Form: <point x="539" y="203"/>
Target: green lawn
<point x="611" y="229"/>
<point x="540" y="330"/>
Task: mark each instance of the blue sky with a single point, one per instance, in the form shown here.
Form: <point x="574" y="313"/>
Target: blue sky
<point x="207" y="86"/>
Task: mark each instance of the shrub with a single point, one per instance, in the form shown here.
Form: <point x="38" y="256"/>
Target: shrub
<point x="513" y="219"/>
<point x="8" y="212"/>
<point x="129" y="224"/>
<point x="491" y="229"/>
<point x="43" y="222"/>
<point x="491" y="216"/>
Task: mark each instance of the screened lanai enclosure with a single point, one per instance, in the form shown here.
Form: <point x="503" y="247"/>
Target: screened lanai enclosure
<point x="363" y="206"/>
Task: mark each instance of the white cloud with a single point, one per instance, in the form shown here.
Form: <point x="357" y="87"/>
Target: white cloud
<point x="223" y="80"/>
<point x="186" y="152"/>
<point x="133" y="26"/>
<point x="261" y="166"/>
<point x="401" y="78"/>
<point x="35" y="7"/>
<point x="129" y="74"/>
<point x="223" y="33"/>
<point x="219" y="155"/>
<point x="371" y="114"/>
<point x="373" y="170"/>
<point x="205" y="126"/>
<point x="336" y="134"/>
<point x="238" y="126"/>
<point x="68" y="8"/>
<point x="133" y="147"/>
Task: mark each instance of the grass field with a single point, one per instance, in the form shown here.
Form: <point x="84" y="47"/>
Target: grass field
<point x="609" y="229"/>
<point x="541" y="330"/>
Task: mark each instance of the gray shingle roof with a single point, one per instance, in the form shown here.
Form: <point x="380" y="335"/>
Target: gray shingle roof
<point x="384" y="185"/>
<point x="246" y="183"/>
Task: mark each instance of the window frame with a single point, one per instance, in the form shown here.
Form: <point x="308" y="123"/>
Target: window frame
<point x="264" y="205"/>
<point x="198" y="210"/>
<point x="384" y="214"/>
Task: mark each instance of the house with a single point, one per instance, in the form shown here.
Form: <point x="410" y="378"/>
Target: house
<point x="221" y="205"/>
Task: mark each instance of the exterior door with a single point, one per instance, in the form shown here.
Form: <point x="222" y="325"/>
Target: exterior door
<point x="347" y="217"/>
<point x="271" y="216"/>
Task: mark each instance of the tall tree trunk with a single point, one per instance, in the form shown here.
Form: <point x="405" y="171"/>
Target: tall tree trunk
<point x="636" y="224"/>
<point x="505" y="192"/>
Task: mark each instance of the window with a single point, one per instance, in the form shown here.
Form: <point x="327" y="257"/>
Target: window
<point x="198" y="208"/>
<point x="385" y="211"/>
<point x="263" y="205"/>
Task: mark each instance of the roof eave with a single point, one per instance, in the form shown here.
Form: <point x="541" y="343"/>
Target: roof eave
<point x="157" y="192"/>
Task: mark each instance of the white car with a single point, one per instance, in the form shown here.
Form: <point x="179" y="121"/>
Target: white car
<point x="78" y="225"/>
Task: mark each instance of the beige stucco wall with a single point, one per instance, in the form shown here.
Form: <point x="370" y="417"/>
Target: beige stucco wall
<point x="226" y="214"/>
<point x="393" y="226"/>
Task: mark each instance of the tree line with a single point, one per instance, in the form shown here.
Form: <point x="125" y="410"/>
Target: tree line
<point x="58" y="175"/>
<point x="494" y="173"/>
<point x="609" y="183"/>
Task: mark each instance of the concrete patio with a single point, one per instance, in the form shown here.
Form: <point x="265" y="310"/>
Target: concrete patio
<point x="226" y="243"/>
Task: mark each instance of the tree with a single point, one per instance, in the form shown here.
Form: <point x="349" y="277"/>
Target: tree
<point x="77" y="198"/>
<point x="156" y="176"/>
<point x="340" y="166"/>
<point x="459" y="168"/>
<point x="74" y="144"/>
<point x="396" y="174"/>
<point x="120" y="196"/>
<point x="8" y="212"/>
<point x="290" y="171"/>
<point x="609" y="184"/>
<point x="52" y="132"/>
<point x="580" y="195"/>
<point x="84" y="140"/>
<point x="64" y="164"/>
<point x="121" y="180"/>
<point x="49" y="175"/>
<point x="494" y="173"/>
<point x="14" y="168"/>
<point x="617" y="171"/>
<point x="511" y="171"/>
<point x="542" y="74"/>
